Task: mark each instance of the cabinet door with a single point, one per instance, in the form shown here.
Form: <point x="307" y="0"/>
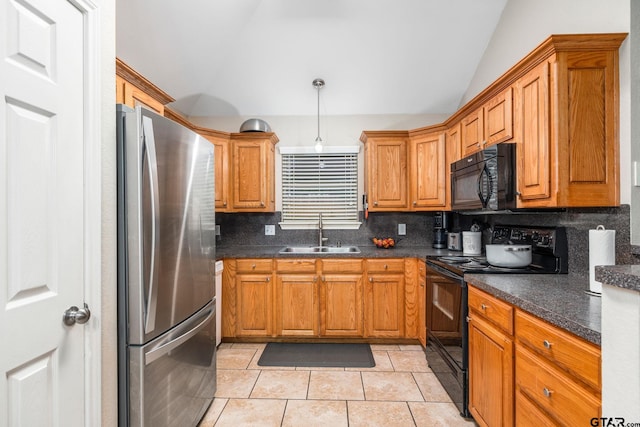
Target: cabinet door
<point x="472" y="132"/>
<point x="422" y="304"/>
<point x="490" y="374"/>
<point x="222" y="173"/>
<point x="498" y="118"/>
<point x="387" y="174"/>
<point x="297" y="305"/>
<point x="428" y="172"/>
<point x="341" y="305"/>
<point x="254" y="305"/>
<point x="384" y="306"/>
<point x="532" y="126"/>
<point x="453" y="153"/>
<point x="252" y="175"/>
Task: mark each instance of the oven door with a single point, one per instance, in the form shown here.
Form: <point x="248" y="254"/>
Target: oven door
<point x="447" y="330"/>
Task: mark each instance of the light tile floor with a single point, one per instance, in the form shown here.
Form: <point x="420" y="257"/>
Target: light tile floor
<point x="399" y="391"/>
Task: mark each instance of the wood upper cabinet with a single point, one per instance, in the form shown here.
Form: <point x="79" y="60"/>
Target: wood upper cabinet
<point x="566" y="124"/>
<point x="428" y="171"/>
<point x="252" y="172"/>
<point x="384" y="298"/>
<point x="386" y="170"/>
<point x="489" y="124"/>
<point x="533" y="149"/>
<point x="220" y="141"/>
<point x="491" y="398"/>
<point x="472" y="132"/>
<point x="133" y="89"/>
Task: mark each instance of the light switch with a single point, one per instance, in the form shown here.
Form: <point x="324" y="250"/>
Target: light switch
<point x="402" y="229"/>
<point x="270" y="230"/>
<point x="636" y="174"/>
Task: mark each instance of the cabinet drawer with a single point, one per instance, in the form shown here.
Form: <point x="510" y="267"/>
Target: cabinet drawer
<point x="387" y="265"/>
<point x="342" y="266"/>
<point x="567" y="351"/>
<point x="257" y="265"/>
<point x="553" y="390"/>
<point x="296" y="265"/>
<point x="492" y="309"/>
<point x="528" y="414"/>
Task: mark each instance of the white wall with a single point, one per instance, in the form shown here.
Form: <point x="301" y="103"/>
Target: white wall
<point x="525" y="24"/>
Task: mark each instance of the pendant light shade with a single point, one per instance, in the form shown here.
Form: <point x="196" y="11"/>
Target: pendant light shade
<point x="318" y="84"/>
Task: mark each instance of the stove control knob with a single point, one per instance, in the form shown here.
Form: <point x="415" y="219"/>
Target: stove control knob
<point x="535" y="236"/>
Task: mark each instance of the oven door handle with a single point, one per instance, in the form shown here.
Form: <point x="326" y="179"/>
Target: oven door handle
<point x="447" y="273"/>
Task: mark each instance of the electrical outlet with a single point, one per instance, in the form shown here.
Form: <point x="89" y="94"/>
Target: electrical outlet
<point x="270" y="230"/>
<point x="402" y="229"/>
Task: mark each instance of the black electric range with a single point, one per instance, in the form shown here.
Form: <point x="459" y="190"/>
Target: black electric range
<point x="447" y="296"/>
<point x="549" y="252"/>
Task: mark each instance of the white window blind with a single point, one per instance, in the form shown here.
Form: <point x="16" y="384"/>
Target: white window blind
<point x="324" y="183"/>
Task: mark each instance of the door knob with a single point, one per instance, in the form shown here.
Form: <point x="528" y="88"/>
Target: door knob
<point x="75" y="315"/>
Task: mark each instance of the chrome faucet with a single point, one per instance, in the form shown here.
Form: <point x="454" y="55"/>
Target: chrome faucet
<point x="321" y="239"/>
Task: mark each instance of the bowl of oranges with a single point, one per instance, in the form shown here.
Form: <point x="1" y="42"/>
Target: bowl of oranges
<point x="384" y="242"/>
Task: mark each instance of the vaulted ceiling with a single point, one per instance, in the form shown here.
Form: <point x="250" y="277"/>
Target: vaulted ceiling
<point x="259" y="57"/>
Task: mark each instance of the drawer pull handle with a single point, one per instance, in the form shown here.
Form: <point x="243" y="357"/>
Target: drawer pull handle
<point x="546" y="344"/>
<point x="546" y="392"/>
<point x="483" y="306"/>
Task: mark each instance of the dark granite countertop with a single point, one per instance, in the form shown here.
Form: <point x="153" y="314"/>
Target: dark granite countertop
<point x="622" y="276"/>
<point x="559" y="299"/>
<point x="366" y="251"/>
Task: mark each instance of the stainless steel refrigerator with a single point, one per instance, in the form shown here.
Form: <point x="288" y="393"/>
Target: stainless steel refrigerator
<point x="166" y="268"/>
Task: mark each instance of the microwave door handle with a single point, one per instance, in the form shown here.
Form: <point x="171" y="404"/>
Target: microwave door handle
<point x="490" y="178"/>
<point x="483" y="200"/>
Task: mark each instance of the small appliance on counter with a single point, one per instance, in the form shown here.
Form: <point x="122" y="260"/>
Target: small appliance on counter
<point x="455" y="241"/>
<point x="441" y="222"/>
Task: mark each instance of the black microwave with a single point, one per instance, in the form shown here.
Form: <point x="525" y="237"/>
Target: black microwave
<point x="486" y="180"/>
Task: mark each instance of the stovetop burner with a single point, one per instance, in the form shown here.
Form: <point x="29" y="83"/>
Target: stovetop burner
<point x="548" y="246"/>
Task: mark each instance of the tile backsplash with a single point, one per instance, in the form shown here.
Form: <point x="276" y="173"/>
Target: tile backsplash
<point x="248" y="229"/>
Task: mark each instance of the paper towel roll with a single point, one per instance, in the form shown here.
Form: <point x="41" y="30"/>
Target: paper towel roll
<point x="602" y="251"/>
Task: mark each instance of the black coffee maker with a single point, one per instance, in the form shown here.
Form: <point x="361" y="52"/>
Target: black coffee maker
<point x="441" y="223"/>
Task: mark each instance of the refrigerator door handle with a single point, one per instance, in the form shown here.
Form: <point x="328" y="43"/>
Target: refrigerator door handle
<point x="150" y="149"/>
<point x="182" y="334"/>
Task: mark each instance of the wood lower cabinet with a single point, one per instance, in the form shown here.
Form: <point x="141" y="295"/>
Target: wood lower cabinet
<point x="254" y="297"/>
<point x="297" y="298"/>
<point x="385" y="298"/>
<point x="422" y="302"/>
<point x="341" y="305"/>
<point x="490" y="360"/>
<point x="555" y="372"/>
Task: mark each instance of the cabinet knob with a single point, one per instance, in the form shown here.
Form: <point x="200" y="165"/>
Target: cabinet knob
<point x="375" y="203"/>
<point x="253" y="266"/>
<point x="371" y="279"/>
<point x="262" y="204"/>
<point x="484" y="306"/>
<point x="386" y="266"/>
<point x="546" y="344"/>
<point x="224" y="204"/>
<point x="546" y="392"/>
<point x="415" y="203"/>
<point x="268" y="279"/>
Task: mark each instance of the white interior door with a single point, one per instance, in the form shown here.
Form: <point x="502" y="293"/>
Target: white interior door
<point x="47" y="251"/>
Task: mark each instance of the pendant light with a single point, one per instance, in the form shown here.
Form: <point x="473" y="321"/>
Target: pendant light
<point x="318" y="84"/>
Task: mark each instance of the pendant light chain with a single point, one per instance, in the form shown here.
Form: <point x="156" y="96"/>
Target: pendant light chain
<point x="318" y="84"/>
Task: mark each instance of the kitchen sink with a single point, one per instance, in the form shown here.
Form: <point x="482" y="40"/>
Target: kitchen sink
<point x="320" y="250"/>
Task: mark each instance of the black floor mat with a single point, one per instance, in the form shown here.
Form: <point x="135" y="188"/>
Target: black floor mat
<point x="327" y="355"/>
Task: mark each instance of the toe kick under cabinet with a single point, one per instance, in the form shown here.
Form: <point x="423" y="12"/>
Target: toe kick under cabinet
<point x="311" y="298"/>
<point x="540" y="374"/>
